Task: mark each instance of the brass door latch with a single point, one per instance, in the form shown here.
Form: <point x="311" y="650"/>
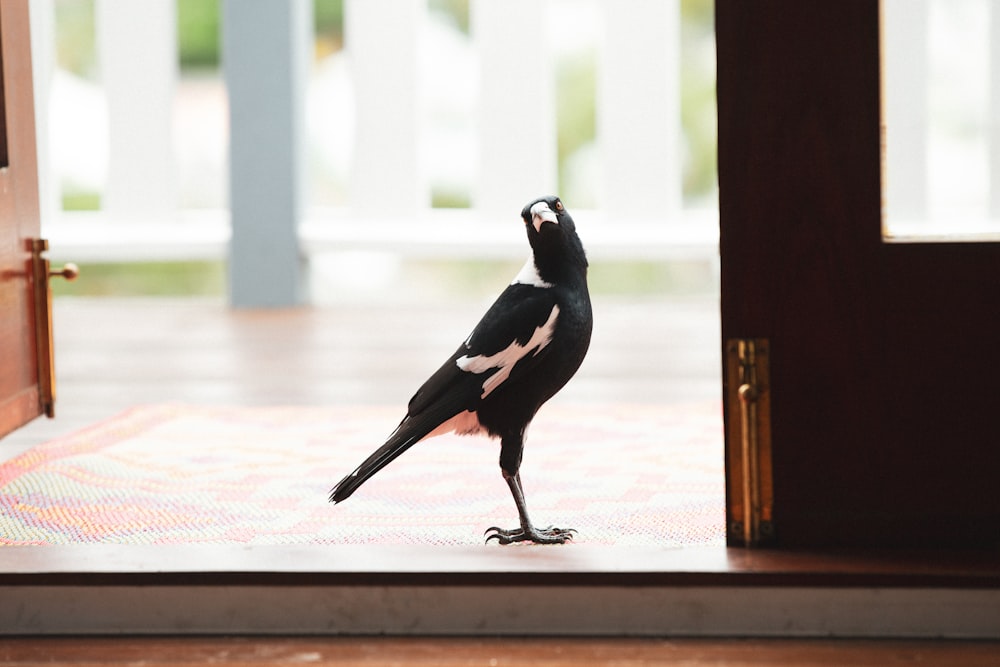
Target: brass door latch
<point x="41" y="271"/>
<point x="749" y="492"/>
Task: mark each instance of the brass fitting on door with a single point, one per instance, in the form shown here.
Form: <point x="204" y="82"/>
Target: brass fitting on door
<point x="41" y="271"/>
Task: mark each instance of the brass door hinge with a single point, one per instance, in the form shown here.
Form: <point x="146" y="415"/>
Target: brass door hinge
<point x="41" y="271"/>
<point x="749" y="492"/>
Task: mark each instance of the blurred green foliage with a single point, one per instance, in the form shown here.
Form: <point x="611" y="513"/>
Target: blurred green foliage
<point x="576" y="109"/>
<point x="199" y="25"/>
<point x="198" y="40"/>
<point x="473" y="279"/>
<point x="80" y="200"/>
<point x="698" y="115"/>
<point x="328" y="23"/>
<point x="607" y="278"/>
<point x="75" y="48"/>
<point x="458" y="10"/>
<point x="443" y="197"/>
<point x="146" y="279"/>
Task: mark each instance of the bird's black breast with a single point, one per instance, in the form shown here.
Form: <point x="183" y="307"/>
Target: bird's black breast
<point x="536" y="379"/>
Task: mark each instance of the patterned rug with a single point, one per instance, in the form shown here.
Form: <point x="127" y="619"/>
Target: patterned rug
<point x="169" y="474"/>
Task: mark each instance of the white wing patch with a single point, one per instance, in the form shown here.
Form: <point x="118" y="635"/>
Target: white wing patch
<point x="504" y="360"/>
<point x="528" y="275"/>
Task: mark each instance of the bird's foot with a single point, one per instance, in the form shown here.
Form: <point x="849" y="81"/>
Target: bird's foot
<point x="550" y="535"/>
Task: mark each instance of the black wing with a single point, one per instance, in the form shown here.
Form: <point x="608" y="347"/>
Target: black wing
<point x="519" y="316"/>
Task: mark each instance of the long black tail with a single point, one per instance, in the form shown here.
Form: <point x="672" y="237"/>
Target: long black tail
<point x="410" y="431"/>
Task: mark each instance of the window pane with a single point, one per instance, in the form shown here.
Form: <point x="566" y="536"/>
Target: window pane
<point x="941" y="93"/>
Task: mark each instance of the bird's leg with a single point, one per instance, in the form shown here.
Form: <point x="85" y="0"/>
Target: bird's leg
<point x="527" y="532"/>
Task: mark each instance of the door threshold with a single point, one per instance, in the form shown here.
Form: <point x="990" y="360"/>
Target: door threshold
<point x="555" y="565"/>
<point x="491" y="590"/>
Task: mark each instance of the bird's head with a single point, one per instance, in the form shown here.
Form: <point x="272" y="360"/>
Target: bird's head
<point x="542" y="210"/>
<point x="552" y="235"/>
<point x="547" y="210"/>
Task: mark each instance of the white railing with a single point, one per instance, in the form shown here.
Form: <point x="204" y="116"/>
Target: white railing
<point x="506" y="139"/>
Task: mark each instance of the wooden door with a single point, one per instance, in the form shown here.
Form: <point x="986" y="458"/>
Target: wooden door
<point x="20" y="391"/>
<point x="883" y="357"/>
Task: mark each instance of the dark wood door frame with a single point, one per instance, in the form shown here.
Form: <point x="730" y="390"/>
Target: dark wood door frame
<point x="883" y="356"/>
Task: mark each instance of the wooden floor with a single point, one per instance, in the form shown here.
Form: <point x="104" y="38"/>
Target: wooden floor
<point x="496" y="652"/>
<point x="112" y="354"/>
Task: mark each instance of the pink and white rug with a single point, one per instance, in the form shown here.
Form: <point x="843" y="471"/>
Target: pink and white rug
<point x="174" y="474"/>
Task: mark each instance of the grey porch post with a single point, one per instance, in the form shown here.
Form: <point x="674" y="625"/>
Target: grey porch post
<point x="266" y="49"/>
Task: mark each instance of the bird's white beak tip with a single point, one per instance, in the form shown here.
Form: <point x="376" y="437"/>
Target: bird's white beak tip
<point x="540" y="213"/>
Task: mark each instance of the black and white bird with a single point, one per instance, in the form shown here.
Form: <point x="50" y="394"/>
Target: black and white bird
<point x="527" y="346"/>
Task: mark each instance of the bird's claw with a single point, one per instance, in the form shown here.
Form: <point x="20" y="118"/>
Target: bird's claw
<point x="550" y="535"/>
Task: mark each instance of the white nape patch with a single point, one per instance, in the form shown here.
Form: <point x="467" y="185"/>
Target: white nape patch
<point x="528" y="275"/>
<point x="464" y="423"/>
<point x="540" y="213"/>
<point x="505" y="359"/>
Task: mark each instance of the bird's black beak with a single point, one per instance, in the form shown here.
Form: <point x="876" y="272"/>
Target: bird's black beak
<point x="540" y="213"/>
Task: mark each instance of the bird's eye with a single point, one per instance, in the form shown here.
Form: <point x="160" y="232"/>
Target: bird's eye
<point x="559" y="206"/>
